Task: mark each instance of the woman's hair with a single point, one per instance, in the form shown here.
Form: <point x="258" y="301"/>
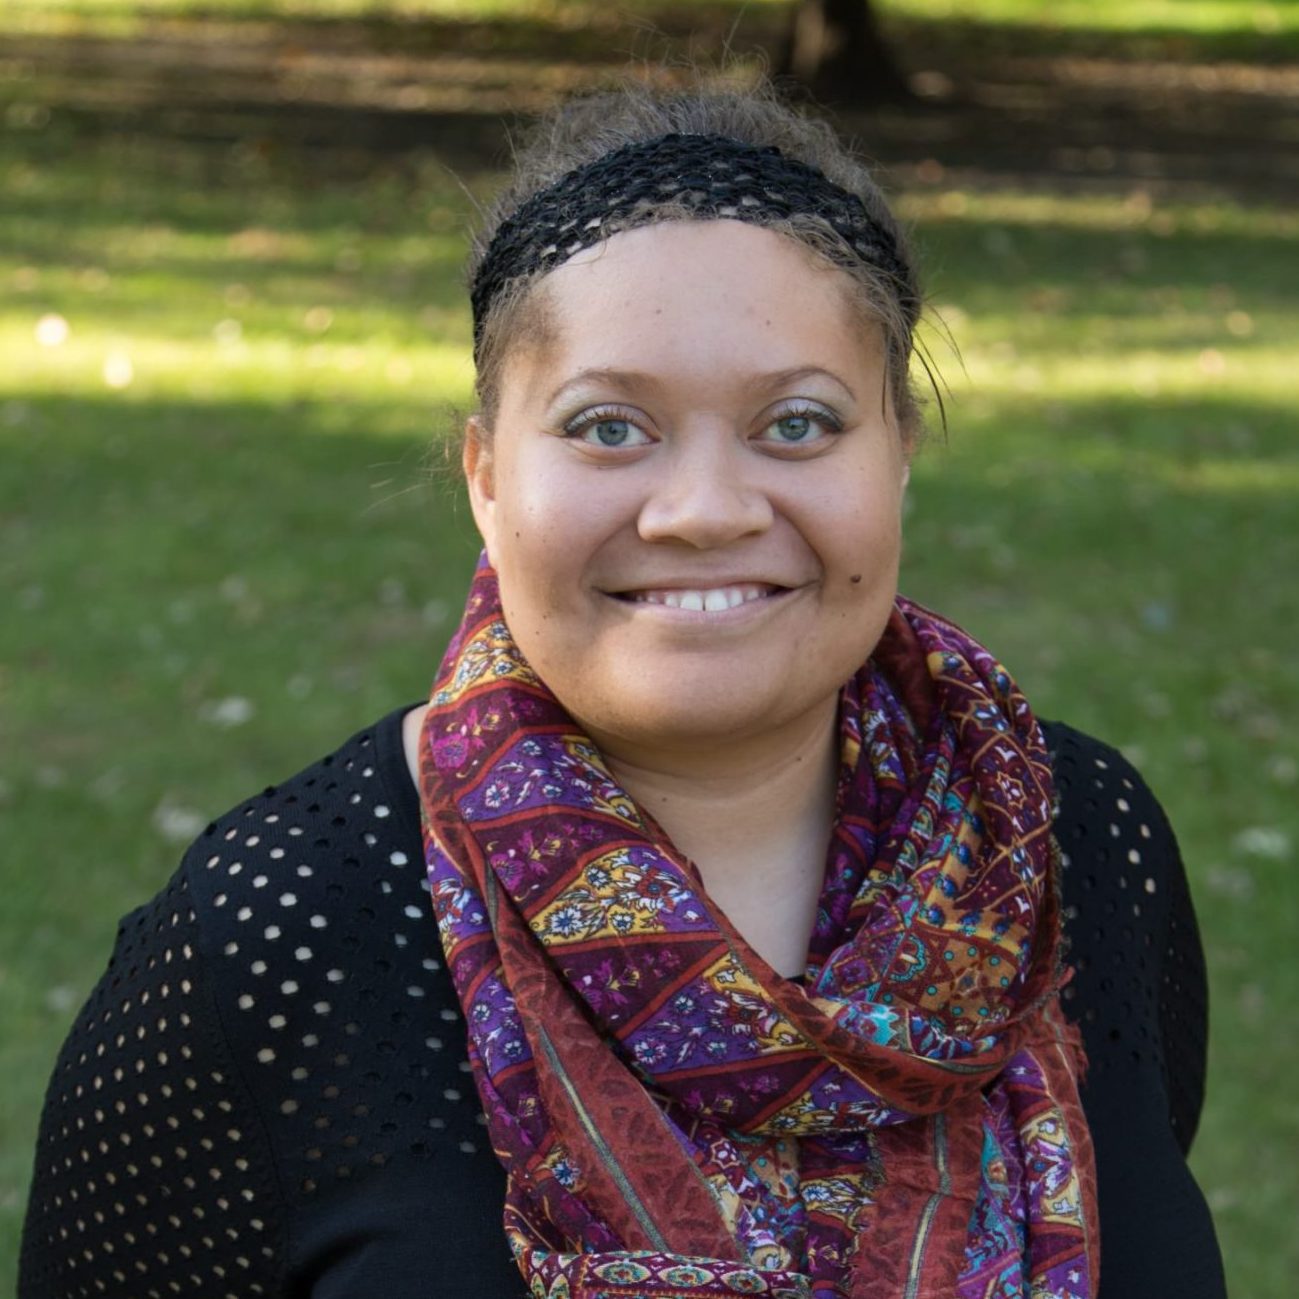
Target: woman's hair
<point x="586" y="129"/>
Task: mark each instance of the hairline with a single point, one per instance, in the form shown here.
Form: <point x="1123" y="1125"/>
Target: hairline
<point x="519" y="303"/>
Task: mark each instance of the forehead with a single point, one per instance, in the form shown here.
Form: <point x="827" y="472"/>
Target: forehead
<point x="695" y="296"/>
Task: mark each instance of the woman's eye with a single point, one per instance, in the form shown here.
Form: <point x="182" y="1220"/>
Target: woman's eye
<point x="793" y="428"/>
<point x="612" y="431"/>
<point x="798" y="427"/>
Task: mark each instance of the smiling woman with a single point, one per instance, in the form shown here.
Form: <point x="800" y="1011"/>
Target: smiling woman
<point x="692" y="498"/>
<point x="676" y="445"/>
<point x="748" y="873"/>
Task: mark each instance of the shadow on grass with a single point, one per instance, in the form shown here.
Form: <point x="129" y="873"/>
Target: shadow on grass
<point x="1009" y="99"/>
<point x="146" y="498"/>
<point x="67" y="199"/>
<point x="167" y="552"/>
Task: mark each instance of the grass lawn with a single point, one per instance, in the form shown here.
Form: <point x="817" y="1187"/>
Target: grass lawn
<point x="224" y="543"/>
<point x="1211" y="17"/>
<point x="1257" y="30"/>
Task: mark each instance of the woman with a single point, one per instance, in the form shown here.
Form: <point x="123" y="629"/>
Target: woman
<point x="746" y="871"/>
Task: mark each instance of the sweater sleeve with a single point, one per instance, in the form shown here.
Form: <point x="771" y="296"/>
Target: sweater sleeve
<point x="151" y="1174"/>
<point x="267" y="1092"/>
<point x="1138" y="996"/>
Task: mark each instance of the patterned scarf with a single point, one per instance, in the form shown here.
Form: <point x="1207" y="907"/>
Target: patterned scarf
<point x="677" y="1120"/>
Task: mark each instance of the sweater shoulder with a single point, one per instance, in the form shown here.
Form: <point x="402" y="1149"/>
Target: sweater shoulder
<point x="1140" y="990"/>
<point x="1088" y="770"/>
<point x="357" y="789"/>
<point x="327" y="970"/>
<point x="275" y="1045"/>
<point x="286" y="874"/>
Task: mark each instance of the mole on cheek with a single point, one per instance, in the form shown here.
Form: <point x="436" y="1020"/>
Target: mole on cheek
<point x="855" y="578"/>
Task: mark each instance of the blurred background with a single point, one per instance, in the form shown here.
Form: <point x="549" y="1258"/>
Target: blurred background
<point x="233" y="337"/>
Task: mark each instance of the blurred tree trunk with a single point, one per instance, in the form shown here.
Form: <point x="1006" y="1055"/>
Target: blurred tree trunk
<point x="836" y="50"/>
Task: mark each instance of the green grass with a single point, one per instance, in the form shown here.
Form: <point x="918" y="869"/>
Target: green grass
<point x="132" y="15"/>
<point x="215" y="486"/>
<point x="1207" y="16"/>
<point x="1259" y="29"/>
<point x="1211" y="17"/>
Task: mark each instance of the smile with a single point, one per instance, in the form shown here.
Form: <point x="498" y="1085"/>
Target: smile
<point x="715" y="599"/>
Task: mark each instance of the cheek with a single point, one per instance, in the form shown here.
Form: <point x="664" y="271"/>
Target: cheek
<point x="863" y="529"/>
<point x="554" y="517"/>
<point x="549" y="528"/>
<point x="862" y="569"/>
<point x="529" y="519"/>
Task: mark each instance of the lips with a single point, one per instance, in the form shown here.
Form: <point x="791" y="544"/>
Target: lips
<point x="703" y="599"/>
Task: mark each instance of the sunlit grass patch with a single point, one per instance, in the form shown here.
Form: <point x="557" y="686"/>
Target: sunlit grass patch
<point x="1266" y="17"/>
<point x="1269" y="17"/>
<point x="1167" y="29"/>
<point x="227" y="365"/>
<point x="1137" y="210"/>
<point x="123" y="17"/>
<point x="186" y="291"/>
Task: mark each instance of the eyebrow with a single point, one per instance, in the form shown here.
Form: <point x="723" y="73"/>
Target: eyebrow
<point x="634" y="380"/>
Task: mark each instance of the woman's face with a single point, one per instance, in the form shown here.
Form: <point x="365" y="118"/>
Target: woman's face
<point x="692" y="493"/>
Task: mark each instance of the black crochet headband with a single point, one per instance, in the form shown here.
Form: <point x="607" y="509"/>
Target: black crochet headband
<point x="711" y="176"/>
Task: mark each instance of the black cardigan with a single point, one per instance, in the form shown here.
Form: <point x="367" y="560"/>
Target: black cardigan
<point x="267" y="1092"/>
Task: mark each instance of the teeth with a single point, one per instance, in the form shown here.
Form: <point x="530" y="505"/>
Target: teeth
<point x="715" y="600"/>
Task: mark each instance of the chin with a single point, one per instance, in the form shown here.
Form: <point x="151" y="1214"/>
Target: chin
<point x="695" y="714"/>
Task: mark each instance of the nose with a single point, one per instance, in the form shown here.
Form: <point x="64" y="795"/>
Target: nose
<point x="703" y="493"/>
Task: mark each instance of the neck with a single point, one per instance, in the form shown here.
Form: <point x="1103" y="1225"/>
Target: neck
<point x="754" y="817"/>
